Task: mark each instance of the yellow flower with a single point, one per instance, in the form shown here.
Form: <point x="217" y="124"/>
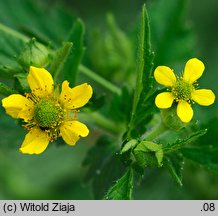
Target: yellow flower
<point x="182" y="89"/>
<point x="47" y="113"/>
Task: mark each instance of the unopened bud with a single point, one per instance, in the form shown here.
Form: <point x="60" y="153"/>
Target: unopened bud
<point x="171" y="120"/>
<point x="148" y="154"/>
<point x="34" y="54"/>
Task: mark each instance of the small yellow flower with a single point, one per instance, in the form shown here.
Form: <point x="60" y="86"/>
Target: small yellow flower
<point x="47" y="113"/>
<point x="182" y="89"/>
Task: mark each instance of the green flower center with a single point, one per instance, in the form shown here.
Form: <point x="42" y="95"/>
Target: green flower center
<point x="182" y="90"/>
<point x="48" y="114"/>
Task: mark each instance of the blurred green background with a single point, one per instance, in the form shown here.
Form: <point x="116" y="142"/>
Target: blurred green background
<point x="58" y="172"/>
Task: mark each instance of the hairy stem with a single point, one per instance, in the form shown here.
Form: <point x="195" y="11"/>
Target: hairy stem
<point x="100" y="80"/>
<point x="13" y="33"/>
<point x="158" y="131"/>
<point x="103" y="122"/>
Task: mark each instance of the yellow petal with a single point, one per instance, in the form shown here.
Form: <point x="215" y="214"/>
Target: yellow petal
<point x="194" y="68"/>
<point x="184" y="111"/>
<point x="18" y="106"/>
<point x="35" y="142"/>
<point x="76" y="97"/>
<point x="165" y="76"/>
<point x="27" y="113"/>
<point x="72" y="130"/>
<point x="204" y="97"/>
<point x="40" y="81"/>
<point x="164" y="100"/>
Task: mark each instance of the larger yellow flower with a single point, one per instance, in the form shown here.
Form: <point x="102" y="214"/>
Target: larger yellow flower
<point x="47" y="113"/>
<point x="182" y="89"/>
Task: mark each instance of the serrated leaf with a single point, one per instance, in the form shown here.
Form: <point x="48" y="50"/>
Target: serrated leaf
<point x="75" y="57"/>
<point x="205" y="156"/>
<point x="174" y="163"/>
<point x="143" y="69"/>
<point x="145" y="112"/>
<point x="180" y="143"/>
<point x="104" y="166"/>
<point x="122" y="190"/>
<point x="97" y="156"/>
<point x="111" y="169"/>
<point x="210" y="138"/>
<point x="143" y="50"/>
<point x="205" y="150"/>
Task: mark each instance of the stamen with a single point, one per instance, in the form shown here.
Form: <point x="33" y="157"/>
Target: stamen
<point x="182" y="90"/>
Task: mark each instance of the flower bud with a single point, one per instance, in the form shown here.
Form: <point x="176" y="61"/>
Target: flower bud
<point x="148" y="154"/>
<point x="111" y="53"/>
<point x="34" y="54"/>
<point x="171" y="120"/>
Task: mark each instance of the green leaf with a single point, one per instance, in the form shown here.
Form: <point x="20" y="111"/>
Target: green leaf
<point x="97" y="156"/>
<point x="104" y="166"/>
<point x="174" y="163"/>
<point x="144" y="39"/>
<point x="110" y="52"/>
<point x="122" y="44"/>
<point x="59" y="58"/>
<point x="180" y="143"/>
<point x="143" y="69"/>
<point x="46" y="23"/>
<point x="148" y="154"/>
<point x="172" y="35"/>
<point x="120" y="106"/>
<point x="75" y="57"/>
<point x="210" y="138"/>
<point x="111" y="169"/>
<point x="21" y="83"/>
<point x="5" y="90"/>
<point x="122" y="190"/>
<point x="129" y="145"/>
<point x="204" y="151"/>
<point x="145" y="111"/>
<point x="10" y="47"/>
<point x="204" y="156"/>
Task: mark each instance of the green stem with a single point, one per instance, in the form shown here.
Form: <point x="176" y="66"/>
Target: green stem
<point x="155" y="133"/>
<point x="13" y="33"/>
<point x="100" y="80"/>
<point x="100" y="120"/>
